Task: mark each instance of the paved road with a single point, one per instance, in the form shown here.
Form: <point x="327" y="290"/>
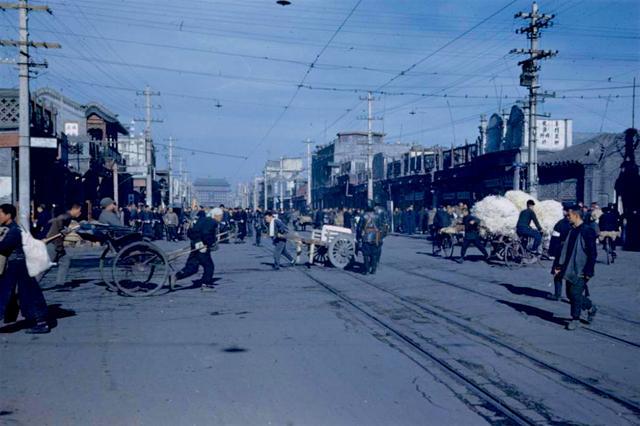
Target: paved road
<point x="426" y="341"/>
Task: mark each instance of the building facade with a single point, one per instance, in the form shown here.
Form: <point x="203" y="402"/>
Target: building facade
<point x="211" y="192"/>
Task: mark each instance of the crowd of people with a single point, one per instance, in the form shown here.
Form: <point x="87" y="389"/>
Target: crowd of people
<point x="572" y="245"/>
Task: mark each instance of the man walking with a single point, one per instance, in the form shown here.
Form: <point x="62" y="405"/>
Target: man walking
<point x="32" y="303"/>
<point x="56" y="248"/>
<point x="442" y="219"/>
<point x="369" y="235"/>
<point x="203" y="237"/>
<point x="258" y="225"/>
<point x="558" y="238"/>
<point x="576" y="266"/>
<point x="471" y="235"/>
<point x="171" y="222"/>
<point x="278" y="232"/>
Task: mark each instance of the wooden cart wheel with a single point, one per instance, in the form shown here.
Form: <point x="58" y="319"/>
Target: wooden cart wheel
<point x="320" y="255"/>
<point x="106" y="270"/>
<point x="341" y="252"/>
<point x="140" y="269"/>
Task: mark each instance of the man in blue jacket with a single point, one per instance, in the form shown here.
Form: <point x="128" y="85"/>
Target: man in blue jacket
<point x="32" y="303"/>
<point x="576" y="266"/>
<point x="278" y="232"/>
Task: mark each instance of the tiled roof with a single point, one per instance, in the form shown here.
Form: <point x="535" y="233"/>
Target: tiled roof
<point x="587" y="152"/>
<point x="211" y="182"/>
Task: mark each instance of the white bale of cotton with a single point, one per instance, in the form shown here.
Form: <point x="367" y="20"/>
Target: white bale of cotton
<point x="520" y="198"/>
<point x="549" y="212"/>
<point x="497" y="214"/>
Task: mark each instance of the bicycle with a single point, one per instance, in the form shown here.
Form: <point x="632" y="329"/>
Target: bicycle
<point x="443" y="242"/>
<point x="513" y="251"/>
<point x="608" y="246"/>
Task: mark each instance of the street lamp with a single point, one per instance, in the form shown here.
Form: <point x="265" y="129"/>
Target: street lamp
<point x="283" y="2"/>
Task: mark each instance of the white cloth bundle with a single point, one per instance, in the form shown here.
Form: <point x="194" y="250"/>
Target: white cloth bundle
<point x="498" y="214"/>
<point x="35" y="253"/>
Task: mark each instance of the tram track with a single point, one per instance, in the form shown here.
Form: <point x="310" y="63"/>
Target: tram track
<point x="460" y="323"/>
<point x="500" y="396"/>
<point x="497" y="402"/>
<point x="493" y="297"/>
<point x="499" y="399"/>
<point x="475" y="277"/>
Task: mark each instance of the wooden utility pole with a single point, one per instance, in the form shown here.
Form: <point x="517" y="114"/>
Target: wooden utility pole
<point x="529" y="78"/>
<point x="147" y="93"/>
<point x="24" y="135"/>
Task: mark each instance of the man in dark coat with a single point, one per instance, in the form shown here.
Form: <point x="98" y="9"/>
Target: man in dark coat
<point x="258" y="225"/>
<point x="610" y="222"/>
<point x="471" y="235"/>
<point x="32" y="303"/>
<point x="558" y="237"/>
<point x="576" y="266"/>
<point x="442" y="219"/>
<point x="524" y="230"/>
<point x="146" y="219"/>
<point x="370" y="235"/>
<point x="41" y="224"/>
<point x="203" y="236"/>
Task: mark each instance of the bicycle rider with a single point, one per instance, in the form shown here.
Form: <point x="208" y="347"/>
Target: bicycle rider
<point x="523" y="228"/>
<point x="609" y="224"/>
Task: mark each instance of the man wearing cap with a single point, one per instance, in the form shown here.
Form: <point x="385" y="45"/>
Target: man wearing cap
<point x="524" y="230"/>
<point x="278" y="232"/>
<point x="203" y="236"/>
<point x="576" y="266"/>
<point x="108" y="214"/>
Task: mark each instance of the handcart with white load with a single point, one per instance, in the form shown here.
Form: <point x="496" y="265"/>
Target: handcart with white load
<point x="333" y="245"/>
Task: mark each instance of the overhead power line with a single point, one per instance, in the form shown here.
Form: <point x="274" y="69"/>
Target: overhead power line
<point x="304" y="78"/>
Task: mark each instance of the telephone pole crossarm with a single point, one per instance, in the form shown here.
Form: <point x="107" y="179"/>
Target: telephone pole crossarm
<point x="529" y="79"/>
<point x="24" y="125"/>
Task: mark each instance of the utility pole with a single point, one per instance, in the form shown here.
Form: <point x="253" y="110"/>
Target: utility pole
<point x="255" y="192"/>
<point x="309" y="172"/>
<point x="266" y="189"/>
<point x="529" y="79"/>
<point x="281" y="183"/>
<point x="116" y="183"/>
<point x="171" y="140"/>
<point x="369" y="165"/>
<point x="633" y="105"/>
<point x="24" y="135"/>
<point x="148" y="141"/>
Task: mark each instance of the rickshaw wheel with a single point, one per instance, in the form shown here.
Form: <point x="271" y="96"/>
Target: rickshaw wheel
<point x="140" y="269"/>
<point x="106" y="270"/>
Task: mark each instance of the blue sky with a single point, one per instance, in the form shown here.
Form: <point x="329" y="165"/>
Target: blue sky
<point x="250" y="55"/>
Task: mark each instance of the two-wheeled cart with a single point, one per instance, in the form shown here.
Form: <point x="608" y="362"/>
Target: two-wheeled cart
<point x="131" y="264"/>
<point x="334" y="245"/>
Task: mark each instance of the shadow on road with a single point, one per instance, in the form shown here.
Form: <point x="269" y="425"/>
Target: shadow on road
<point x="56" y="312"/>
<point x="526" y="291"/>
<point x="68" y="286"/>
<point x="535" y="312"/>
